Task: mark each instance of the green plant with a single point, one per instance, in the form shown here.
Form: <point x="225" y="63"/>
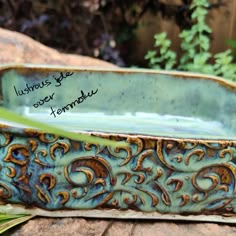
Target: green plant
<point x="167" y="58"/>
<point x="195" y="46"/>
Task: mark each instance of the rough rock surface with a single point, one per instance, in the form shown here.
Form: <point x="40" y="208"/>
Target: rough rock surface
<point x="17" y="48"/>
<point x="90" y="227"/>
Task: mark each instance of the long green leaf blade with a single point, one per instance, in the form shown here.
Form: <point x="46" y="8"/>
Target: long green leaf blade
<point x="13" y="117"/>
<point x="4" y="217"/>
<point x="12" y="220"/>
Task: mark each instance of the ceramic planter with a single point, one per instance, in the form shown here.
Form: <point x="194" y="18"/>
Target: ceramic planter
<point x="180" y="127"/>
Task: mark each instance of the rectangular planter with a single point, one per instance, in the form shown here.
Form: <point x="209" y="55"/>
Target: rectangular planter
<point x="180" y="127"/>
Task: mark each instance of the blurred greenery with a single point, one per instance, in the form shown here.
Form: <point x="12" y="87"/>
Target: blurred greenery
<point x="195" y="45"/>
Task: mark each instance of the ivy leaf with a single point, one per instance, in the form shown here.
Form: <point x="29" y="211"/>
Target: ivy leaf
<point x="202" y="58"/>
<point x="199" y="3"/>
<point x="201" y="28"/>
<point x="13" y="117"/>
<point x="163" y="50"/>
<point x="224" y="57"/>
<point x="184" y="34"/>
<point x="204" y="42"/>
<point x="160" y="39"/>
<point x="150" y="54"/>
<point x="199" y="13"/>
<point x="166" y="43"/>
<point x="223" y="65"/>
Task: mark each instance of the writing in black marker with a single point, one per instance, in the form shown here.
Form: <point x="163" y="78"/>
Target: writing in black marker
<point x="42" y="101"/>
<point x="30" y="88"/>
<point x="61" y="77"/>
<point x="71" y="105"/>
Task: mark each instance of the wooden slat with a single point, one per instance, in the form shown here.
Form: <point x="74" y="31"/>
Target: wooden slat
<point x="221" y="20"/>
<point x="232" y="34"/>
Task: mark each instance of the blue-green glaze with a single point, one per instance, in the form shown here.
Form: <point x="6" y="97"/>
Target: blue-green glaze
<point x="152" y="175"/>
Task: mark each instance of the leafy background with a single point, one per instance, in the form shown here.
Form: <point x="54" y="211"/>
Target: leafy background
<point x="99" y="28"/>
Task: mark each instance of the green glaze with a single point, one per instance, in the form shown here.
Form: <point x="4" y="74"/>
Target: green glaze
<point x="129" y="102"/>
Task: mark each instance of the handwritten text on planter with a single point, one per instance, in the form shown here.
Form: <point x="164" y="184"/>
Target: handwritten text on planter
<point x="57" y="82"/>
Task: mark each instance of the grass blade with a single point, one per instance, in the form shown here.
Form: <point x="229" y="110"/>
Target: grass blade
<point x="9" y="221"/>
<point x="13" y="117"/>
